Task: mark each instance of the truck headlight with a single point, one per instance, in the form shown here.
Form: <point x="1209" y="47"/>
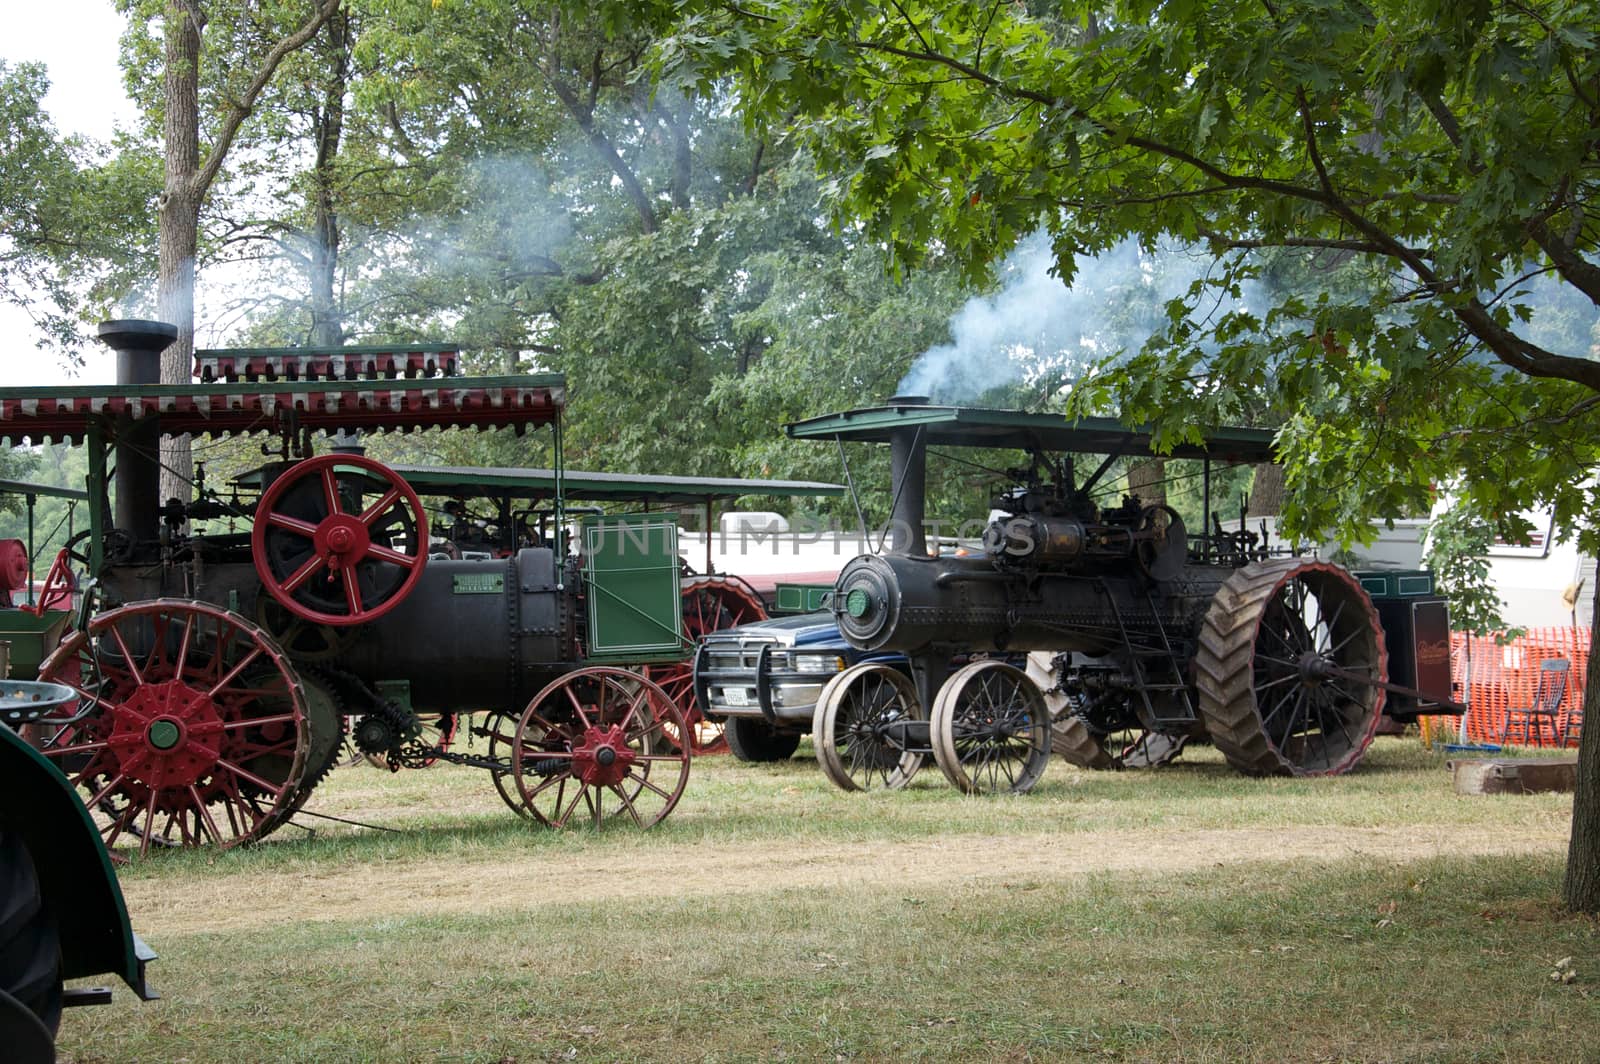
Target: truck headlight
<point x="818" y="663"/>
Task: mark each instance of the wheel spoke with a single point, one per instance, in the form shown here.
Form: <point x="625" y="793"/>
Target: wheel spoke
<point x="352" y="591"/>
<point x="246" y="774"/>
<point x="330" y="491"/>
<point x="298" y="578"/>
<point x="203" y="815"/>
<point x="291" y="524"/>
<point x="233" y="674"/>
<point x="149" y="824"/>
<point x="390" y="555"/>
<point x="372" y="513"/>
<point x="127" y="655"/>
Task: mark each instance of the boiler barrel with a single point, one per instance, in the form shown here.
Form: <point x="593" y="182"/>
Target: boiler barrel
<point x="472" y="635"/>
<point x="897" y="602"/>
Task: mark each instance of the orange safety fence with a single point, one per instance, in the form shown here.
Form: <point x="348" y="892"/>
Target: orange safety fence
<point x="1506" y="676"/>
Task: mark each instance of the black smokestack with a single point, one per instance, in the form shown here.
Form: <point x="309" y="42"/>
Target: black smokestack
<point x="138" y="345"/>
<point x="908" y="465"/>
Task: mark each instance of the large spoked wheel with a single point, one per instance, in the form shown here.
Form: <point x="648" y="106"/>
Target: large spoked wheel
<point x="192" y="727"/>
<point x="990" y="729"/>
<point x="709" y="604"/>
<point x="339" y="539"/>
<point x="863" y="726"/>
<point x="1290" y="654"/>
<point x="592" y="746"/>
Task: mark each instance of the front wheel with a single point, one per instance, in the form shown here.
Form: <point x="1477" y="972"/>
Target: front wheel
<point x="991" y="729"/>
<point x="865" y="728"/>
<point x="592" y="745"/>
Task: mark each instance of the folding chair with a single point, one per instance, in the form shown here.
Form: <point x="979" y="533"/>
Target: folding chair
<point x="1546" y="707"/>
<point x="1572" y="725"/>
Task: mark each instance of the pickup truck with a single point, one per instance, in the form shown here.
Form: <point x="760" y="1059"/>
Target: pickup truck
<point x="763" y="679"/>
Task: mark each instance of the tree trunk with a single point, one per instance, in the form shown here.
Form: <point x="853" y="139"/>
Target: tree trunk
<point x="1581" y="889"/>
<point x="327" y="318"/>
<point x="1266" y="491"/>
<point x="180" y="221"/>
<point x="1148" y="480"/>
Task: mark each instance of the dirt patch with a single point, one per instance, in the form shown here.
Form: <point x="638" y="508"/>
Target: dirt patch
<point x="433" y="886"/>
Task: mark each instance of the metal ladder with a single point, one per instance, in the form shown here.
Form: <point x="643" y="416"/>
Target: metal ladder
<point x="1142" y="684"/>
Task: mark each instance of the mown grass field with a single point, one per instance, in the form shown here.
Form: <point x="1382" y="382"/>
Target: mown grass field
<point x="1186" y="914"/>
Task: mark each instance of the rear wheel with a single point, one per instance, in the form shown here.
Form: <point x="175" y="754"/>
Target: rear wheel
<point x="192" y="729"/>
<point x="1289" y="655"/>
<point x="756" y="740"/>
<point x="30" y="956"/>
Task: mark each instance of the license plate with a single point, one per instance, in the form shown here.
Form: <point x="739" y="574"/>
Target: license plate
<point x="735" y="696"/>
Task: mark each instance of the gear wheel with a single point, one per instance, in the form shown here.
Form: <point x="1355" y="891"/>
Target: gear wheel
<point x="383" y="730"/>
<point x="325" y="712"/>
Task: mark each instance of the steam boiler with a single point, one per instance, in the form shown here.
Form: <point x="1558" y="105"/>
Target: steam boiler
<point x="1100" y="629"/>
<point x="229" y="640"/>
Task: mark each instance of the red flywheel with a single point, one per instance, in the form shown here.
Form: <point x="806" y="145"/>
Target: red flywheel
<point x="340" y="539"/>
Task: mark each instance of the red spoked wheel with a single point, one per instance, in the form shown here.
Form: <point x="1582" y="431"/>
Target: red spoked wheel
<point x="58" y="586"/>
<point x="592" y="746"/>
<point x="710" y="604"/>
<point x="326" y="553"/>
<point x="191" y="727"/>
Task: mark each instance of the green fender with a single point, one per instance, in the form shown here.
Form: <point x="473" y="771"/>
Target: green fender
<point x="75" y="872"/>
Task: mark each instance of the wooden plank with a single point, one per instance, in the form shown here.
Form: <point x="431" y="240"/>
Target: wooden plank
<point x="1508" y="775"/>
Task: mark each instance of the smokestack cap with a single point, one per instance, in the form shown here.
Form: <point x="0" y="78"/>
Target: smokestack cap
<point x="137" y="334"/>
<point x="908" y="400"/>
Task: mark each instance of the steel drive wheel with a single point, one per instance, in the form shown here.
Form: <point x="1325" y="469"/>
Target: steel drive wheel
<point x="1290" y="652"/>
<point x="339" y="539"/>
<point x="709" y="604"/>
<point x="864" y="728"/>
<point x="591" y="746"/>
<point x="990" y="729"/>
<point x="192" y="727"/>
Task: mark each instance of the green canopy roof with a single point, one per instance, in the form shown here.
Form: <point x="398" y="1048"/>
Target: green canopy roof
<point x="598" y="487"/>
<point x="967" y="426"/>
<point x="515" y="483"/>
<point x="22" y="487"/>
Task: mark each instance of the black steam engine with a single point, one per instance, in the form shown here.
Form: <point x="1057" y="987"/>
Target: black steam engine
<point x="231" y="638"/>
<point x="1107" y="633"/>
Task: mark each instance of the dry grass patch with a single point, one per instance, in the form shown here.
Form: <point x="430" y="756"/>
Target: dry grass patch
<point x="1185" y="914"/>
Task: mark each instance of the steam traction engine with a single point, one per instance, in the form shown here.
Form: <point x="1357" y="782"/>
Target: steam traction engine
<point x="1130" y="627"/>
<point x="215" y="681"/>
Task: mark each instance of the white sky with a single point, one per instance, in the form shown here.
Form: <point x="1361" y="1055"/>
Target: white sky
<point x="77" y="41"/>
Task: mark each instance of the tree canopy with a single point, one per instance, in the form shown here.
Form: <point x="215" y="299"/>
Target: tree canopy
<point x="1444" y="152"/>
